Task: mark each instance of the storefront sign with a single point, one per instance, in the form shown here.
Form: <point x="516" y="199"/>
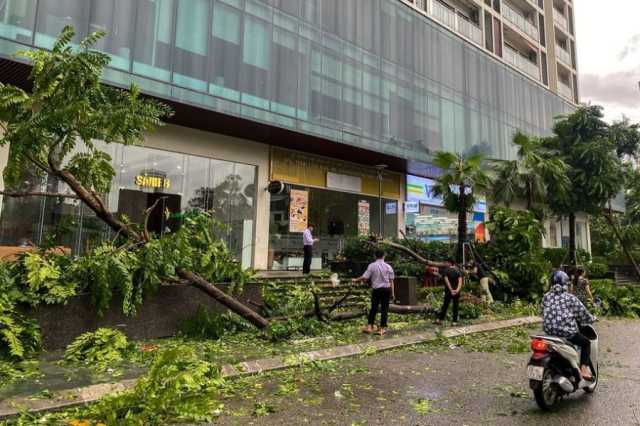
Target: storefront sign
<point x="298" y="210"/>
<point x="421" y="189"/>
<point x="147" y="181"/>
<point x="412" y="207"/>
<point x="363" y="218"/>
<point x="344" y="182"/>
<point x="391" y="208"/>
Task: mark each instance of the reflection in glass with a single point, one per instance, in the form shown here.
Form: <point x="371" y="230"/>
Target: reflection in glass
<point x="116" y="19"/>
<point x="54" y="15"/>
<point x="17" y="18"/>
<point x="154" y="32"/>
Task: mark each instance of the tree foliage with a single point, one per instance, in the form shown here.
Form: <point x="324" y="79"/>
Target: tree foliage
<point x="463" y="178"/>
<point x="536" y="173"/>
<point x="67" y="110"/>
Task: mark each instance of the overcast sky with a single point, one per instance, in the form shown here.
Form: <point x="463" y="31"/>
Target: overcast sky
<point x="608" y="39"/>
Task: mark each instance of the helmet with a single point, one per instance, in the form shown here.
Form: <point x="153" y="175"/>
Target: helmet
<point x="559" y="277"/>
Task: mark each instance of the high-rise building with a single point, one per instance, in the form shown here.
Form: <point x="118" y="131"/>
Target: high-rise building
<point x="536" y="37"/>
<point x="310" y="93"/>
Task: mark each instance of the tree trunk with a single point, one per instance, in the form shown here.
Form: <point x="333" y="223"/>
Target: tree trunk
<point x="462" y="225"/>
<point x="97" y="206"/>
<point x="224" y="299"/>
<point x="529" y="194"/>
<point x="573" y="255"/>
<point x="609" y="218"/>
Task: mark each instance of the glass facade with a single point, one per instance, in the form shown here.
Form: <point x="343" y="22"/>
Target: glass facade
<point x="373" y="74"/>
<point x="335" y="216"/>
<point x="143" y="176"/>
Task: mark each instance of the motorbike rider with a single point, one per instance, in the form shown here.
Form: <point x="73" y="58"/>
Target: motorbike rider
<point x="563" y="314"/>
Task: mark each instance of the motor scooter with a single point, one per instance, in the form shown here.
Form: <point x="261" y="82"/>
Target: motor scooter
<point x="554" y="368"/>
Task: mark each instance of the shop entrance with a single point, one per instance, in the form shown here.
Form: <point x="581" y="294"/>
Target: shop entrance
<point x="163" y="218"/>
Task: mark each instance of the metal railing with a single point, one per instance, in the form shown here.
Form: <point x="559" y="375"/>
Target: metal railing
<point x="443" y="14"/>
<point x="516" y="18"/>
<point x="457" y="23"/>
<point x="470" y="30"/>
<point x="524" y="64"/>
<point x="565" y="90"/>
<point x="563" y="55"/>
<point x="560" y="18"/>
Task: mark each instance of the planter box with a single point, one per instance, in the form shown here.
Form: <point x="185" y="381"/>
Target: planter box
<point x="160" y="315"/>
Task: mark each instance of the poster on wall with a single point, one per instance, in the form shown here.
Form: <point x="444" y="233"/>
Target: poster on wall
<point x="298" y="210"/>
<point x="363" y="218"/>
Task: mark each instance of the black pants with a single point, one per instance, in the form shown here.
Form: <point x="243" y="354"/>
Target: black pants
<point x="585" y="345"/>
<point x="308" y="255"/>
<point x="380" y="296"/>
<point x="448" y="297"/>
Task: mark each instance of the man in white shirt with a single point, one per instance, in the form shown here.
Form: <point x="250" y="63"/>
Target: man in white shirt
<point x="307" y="242"/>
<point x="381" y="275"/>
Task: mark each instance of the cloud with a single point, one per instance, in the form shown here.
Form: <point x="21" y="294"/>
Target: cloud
<point x="632" y="46"/>
<point x="618" y="88"/>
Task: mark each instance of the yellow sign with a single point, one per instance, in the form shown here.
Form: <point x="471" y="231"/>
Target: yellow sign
<point x="152" y="181"/>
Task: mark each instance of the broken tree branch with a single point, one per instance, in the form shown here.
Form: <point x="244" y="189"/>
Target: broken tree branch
<point x="23" y="194"/>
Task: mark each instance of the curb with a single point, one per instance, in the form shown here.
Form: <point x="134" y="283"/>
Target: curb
<point x="85" y="395"/>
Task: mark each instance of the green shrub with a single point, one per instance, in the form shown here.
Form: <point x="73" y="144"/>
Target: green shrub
<point x="100" y="349"/>
<point x="620" y="301"/>
<point x="208" y="324"/>
<point x="179" y="388"/>
<point x="597" y="270"/>
<point x="470" y="310"/>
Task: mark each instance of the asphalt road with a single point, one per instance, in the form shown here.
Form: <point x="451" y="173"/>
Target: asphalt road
<point x="423" y="386"/>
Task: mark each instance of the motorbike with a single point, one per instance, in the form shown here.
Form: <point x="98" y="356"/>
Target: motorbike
<point x="554" y="368"/>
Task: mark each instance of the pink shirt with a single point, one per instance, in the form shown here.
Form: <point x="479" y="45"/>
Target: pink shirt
<point x="380" y="273"/>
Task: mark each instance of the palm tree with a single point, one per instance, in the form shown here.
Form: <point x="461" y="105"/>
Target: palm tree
<point x="463" y="177"/>
<point x="536" y="173"/>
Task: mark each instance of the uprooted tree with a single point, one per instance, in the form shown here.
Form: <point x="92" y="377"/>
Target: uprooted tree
<point x="51" y="133"/>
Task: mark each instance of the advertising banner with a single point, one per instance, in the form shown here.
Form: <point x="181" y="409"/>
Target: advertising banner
<point x="298" y="210"/>
<point x="363" y="218"/>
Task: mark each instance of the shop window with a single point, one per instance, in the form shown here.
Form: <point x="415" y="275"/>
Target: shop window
<point x="336" y="218"/>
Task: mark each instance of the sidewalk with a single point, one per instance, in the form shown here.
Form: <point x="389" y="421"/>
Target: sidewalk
<point x="78" y="396"/>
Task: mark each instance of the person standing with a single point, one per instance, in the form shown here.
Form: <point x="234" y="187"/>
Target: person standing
<point x="307" y="242"/>
<point x="381" y="275"/>
<point x="484" y="276"/>
<point x="452" y="289"/>
<point x="581" y="287"/>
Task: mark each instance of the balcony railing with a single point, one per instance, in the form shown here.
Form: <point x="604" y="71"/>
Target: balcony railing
<point x="517" y="60"/>
<point x="565" y="90"/>
<point x="563" y="56"/>
<point x="444" y="14"/>
<point x="457" y="23"/>
<point x="470" y="30"/>
<point x="516" y="18"/>
<point x="560" y="19"/>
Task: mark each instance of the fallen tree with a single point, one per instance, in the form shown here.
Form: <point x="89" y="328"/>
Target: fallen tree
<point x="51" y="133"/>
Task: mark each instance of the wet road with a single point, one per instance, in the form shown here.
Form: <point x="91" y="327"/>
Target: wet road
<point x="423" y="386"/>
